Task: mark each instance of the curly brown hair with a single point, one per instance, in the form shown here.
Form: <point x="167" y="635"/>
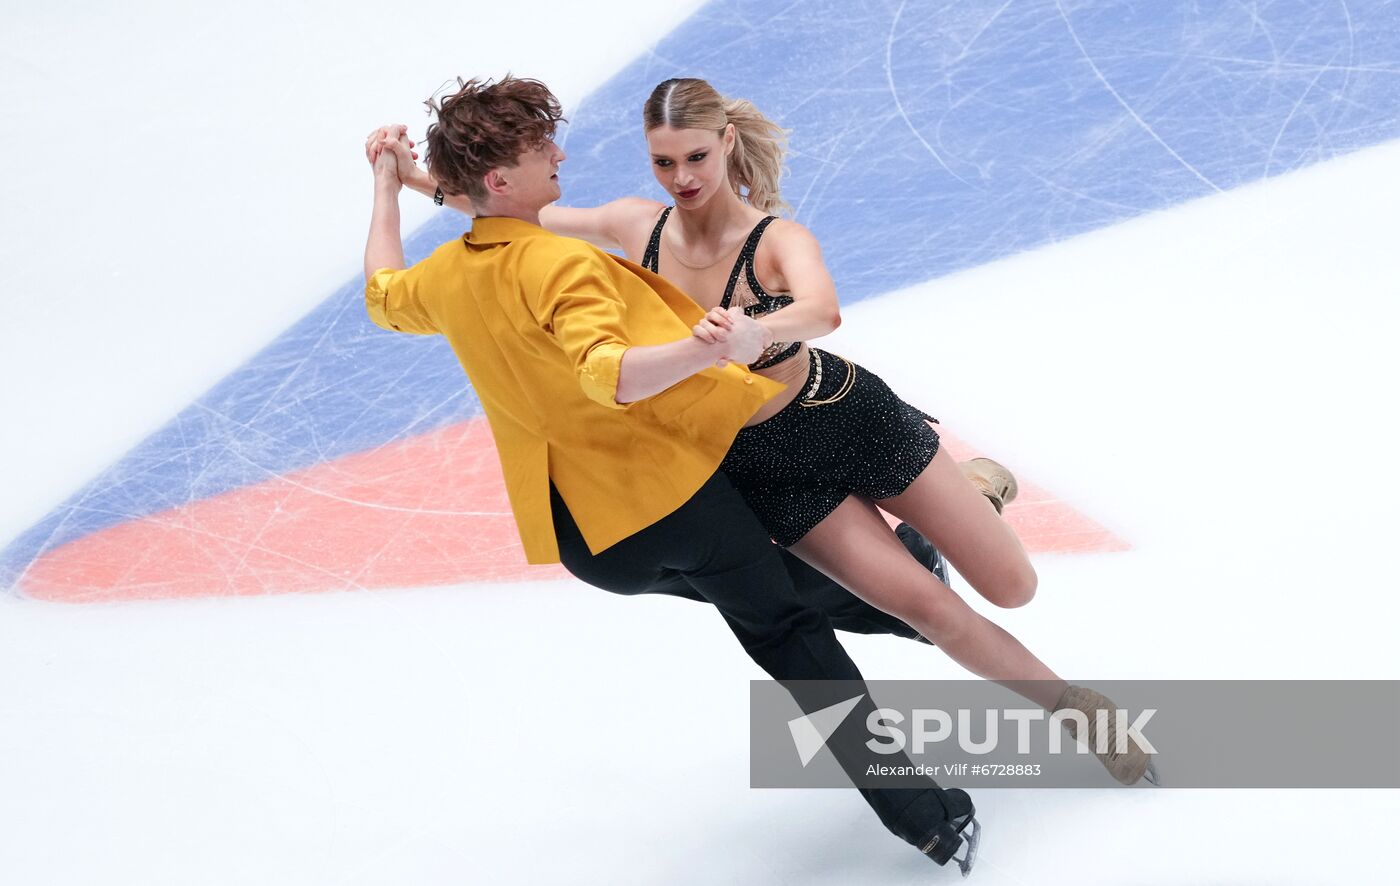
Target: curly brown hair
<point x="485" y="125"/>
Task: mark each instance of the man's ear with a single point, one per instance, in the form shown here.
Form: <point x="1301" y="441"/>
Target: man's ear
<point x="496" y="183"/>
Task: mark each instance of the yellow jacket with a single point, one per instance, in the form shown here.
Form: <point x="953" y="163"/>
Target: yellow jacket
<point x="540" y="323"/>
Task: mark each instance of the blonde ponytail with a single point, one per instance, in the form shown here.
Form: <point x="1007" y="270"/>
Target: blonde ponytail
<point x="757" y="161"/>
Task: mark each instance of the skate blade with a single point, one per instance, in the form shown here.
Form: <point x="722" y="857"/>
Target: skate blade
<point x="1151" y="775"/>
<point x="970" y="839"/>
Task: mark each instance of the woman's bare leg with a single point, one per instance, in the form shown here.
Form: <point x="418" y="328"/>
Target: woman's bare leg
<point x="944" y="505"/>
<point x="857" y="548"/>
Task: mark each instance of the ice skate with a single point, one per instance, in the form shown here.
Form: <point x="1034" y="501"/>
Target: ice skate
<point x="1128" y="766"/>
<point x="950" y="836"/>
<point x="992" y="479"/>
<point x="923" y="550"/>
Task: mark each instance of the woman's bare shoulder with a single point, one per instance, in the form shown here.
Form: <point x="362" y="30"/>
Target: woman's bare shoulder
<point x="785" y="237"/>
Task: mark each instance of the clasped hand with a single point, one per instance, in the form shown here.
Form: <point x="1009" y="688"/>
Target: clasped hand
<point x="391" y="153"/>
<point x="740" y="337"/>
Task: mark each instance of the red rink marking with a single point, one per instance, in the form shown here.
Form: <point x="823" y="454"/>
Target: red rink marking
<point x="429" y="510"/>
<point x="423" y="511"/>
<point x="1044" y="522"/>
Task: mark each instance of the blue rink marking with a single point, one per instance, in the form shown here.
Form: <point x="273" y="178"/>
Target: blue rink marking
<point x="927" y="138"/>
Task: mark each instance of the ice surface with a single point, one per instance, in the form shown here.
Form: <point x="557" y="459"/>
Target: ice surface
<point x="1136" y="250"/>
<point x="927" y="138"/>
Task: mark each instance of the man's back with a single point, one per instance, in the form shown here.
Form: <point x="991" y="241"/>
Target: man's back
<point x="540" y="323"/>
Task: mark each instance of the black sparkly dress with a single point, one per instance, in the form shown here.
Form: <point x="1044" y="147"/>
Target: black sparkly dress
<point x="846" y="434"/>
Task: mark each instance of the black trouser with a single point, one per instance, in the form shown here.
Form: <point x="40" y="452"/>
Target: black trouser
<point x="844" y="610"/>
<point x="715" y="545"/>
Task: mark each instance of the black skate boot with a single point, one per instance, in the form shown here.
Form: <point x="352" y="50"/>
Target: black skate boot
<point x="923" y="550"/>
<point x="948" y="837"/>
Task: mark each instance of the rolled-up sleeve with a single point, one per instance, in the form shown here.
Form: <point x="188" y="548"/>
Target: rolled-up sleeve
<point x="394" y="302"/>
<point x="582" y="309"/>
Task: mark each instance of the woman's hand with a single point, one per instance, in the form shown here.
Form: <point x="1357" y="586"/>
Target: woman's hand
<point x="743" y="337"/>
<point x="374" y="142"/>
<point x="746" y="337"/>
<point x="715" y="327"/>
<point x="394" y="139"/>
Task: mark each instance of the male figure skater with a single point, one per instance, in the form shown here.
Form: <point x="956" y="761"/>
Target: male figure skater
<point x="610" y="417"/>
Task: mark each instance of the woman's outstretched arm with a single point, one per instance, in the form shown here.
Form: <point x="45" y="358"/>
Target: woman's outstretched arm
<point x="603" y="226"/>
<point x="797" y="260"/>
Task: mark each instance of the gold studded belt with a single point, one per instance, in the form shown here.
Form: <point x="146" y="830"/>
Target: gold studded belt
<point x="808" y="396"/>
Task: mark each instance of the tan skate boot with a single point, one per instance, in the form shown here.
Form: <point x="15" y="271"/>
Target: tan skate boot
<point x="992" y="479"/>
<point x="1127" y="766"/>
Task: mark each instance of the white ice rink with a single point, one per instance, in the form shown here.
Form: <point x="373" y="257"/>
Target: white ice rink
<point x="1209" y="381"/>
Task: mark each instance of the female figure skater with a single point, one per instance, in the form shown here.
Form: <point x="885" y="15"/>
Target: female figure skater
<point x="813" y="461"/>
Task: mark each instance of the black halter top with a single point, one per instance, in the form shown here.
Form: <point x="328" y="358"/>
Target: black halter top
<point x="743" y="290"/>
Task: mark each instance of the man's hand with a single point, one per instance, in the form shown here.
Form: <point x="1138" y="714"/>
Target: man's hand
<point x="386" y="171"/>
<point x="739" y="337"/>
<point x="714" y="327"/>
<point x="374" y="142"/>
<point x="405" y="168"/>
<point x="395" y="140"/>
